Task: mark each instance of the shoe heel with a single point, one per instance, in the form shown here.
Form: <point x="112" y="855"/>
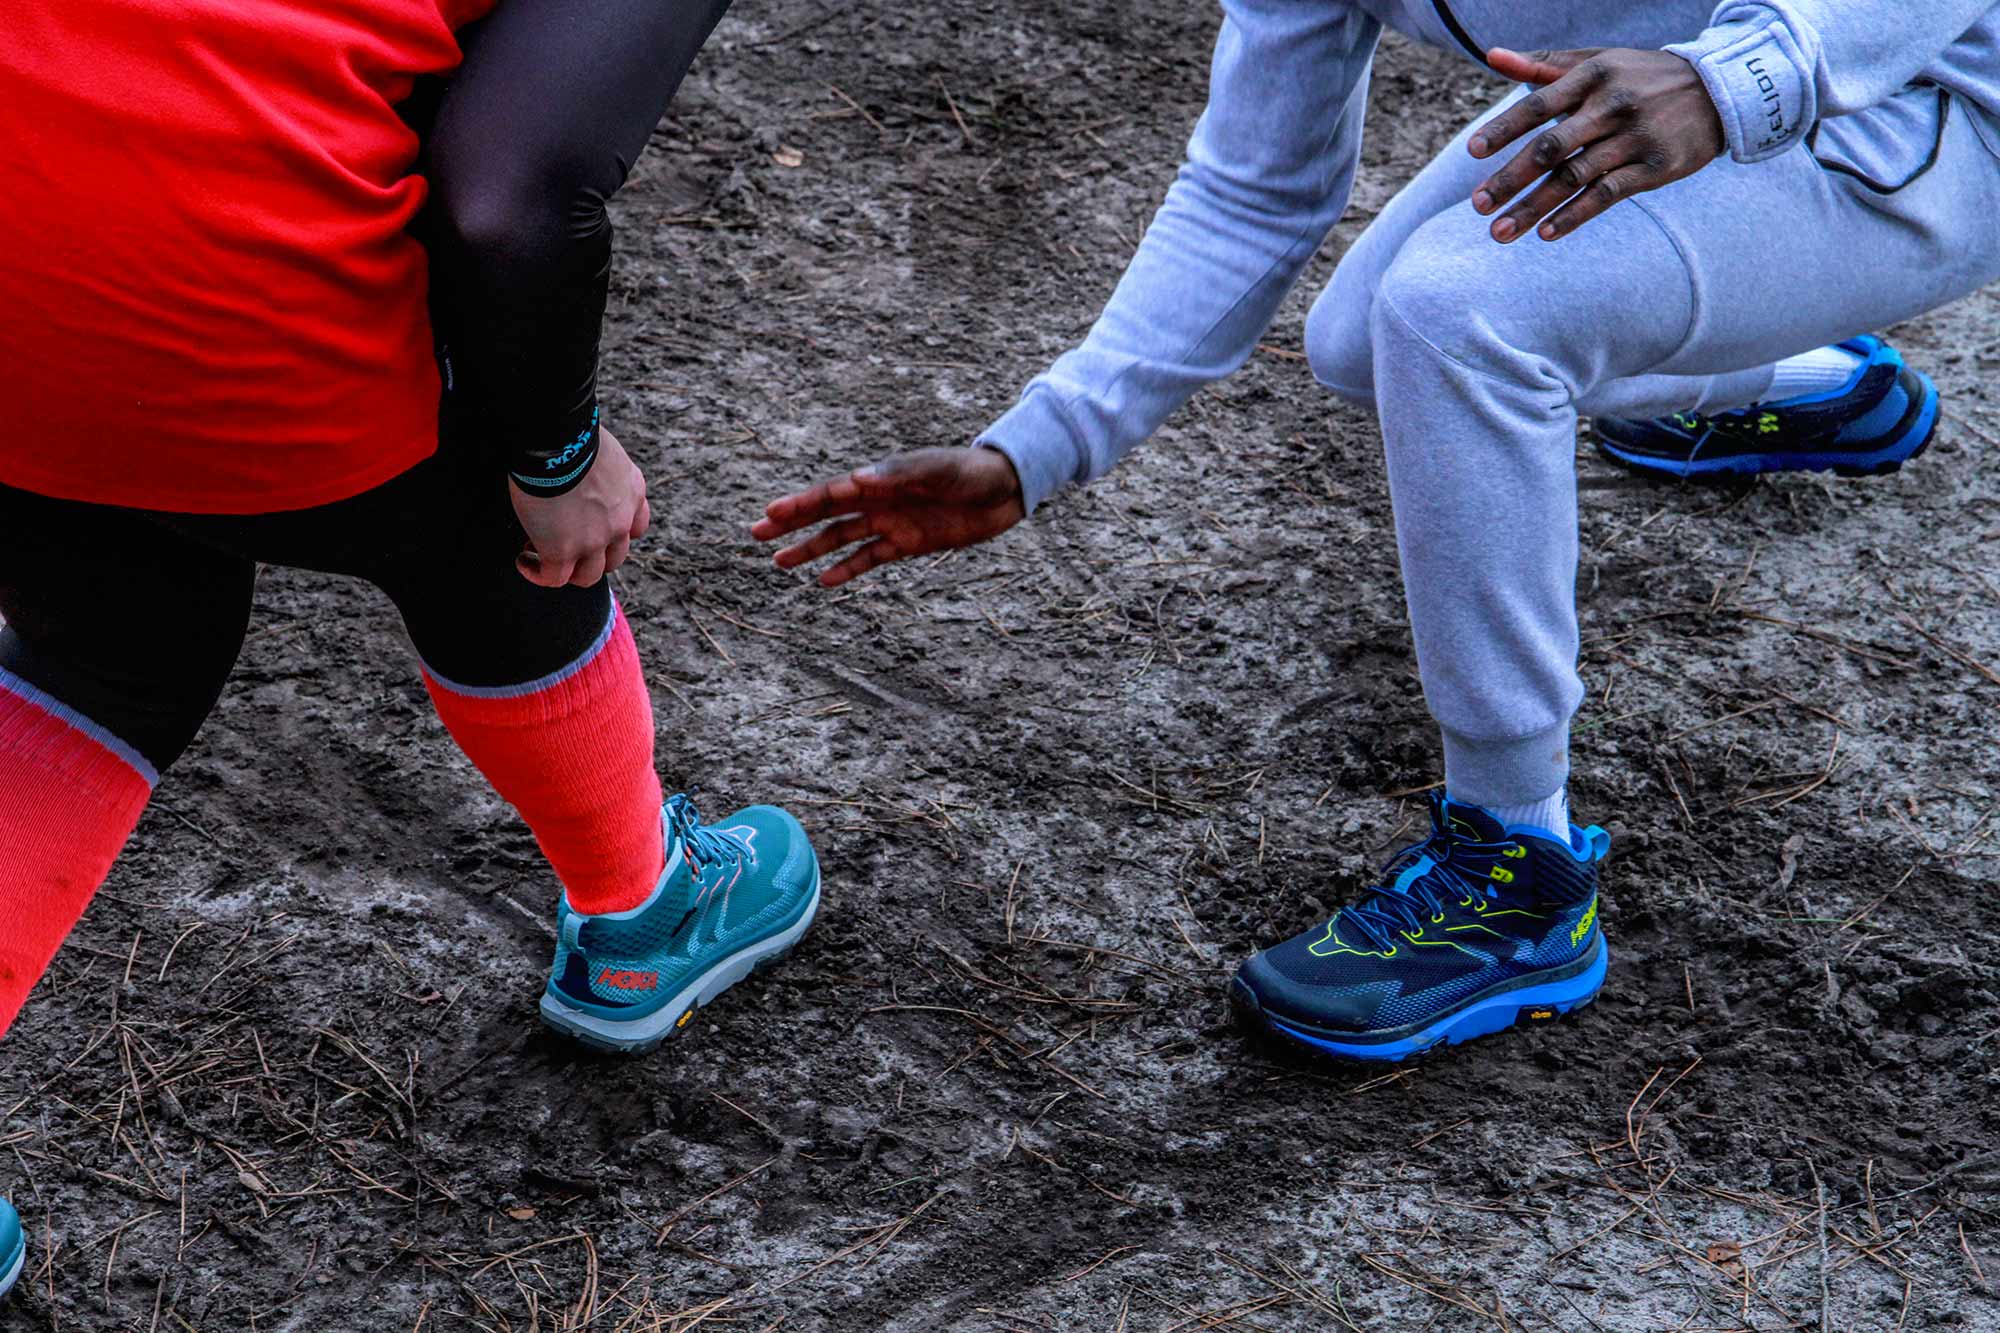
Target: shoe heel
<point x="1922" y="431"/>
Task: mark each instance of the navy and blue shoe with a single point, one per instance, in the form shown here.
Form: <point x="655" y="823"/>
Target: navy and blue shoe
<point x="1884" y="416"/>
<point x="1477" y="928"/>
<point x="13" y="1247"/>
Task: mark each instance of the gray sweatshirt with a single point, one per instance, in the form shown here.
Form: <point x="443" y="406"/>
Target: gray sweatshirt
<point x="1272" y="162"/>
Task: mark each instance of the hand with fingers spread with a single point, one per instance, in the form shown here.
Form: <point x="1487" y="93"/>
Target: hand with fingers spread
<point x="1634" y="121"/>
<point x="582" y="535"/>
<point x="908" y="504"/>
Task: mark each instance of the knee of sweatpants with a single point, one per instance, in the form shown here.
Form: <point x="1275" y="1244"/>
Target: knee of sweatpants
<point x="1338" y="345"/>
<point x="1539" y="321"/>
<point x="1448" y="305"/>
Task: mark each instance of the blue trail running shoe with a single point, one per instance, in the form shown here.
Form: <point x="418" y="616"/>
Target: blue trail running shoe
<point x="1477" y="927"/>
<point x="1884" y="416"/>
<point x="13" y="1247"/>
<point x="734" y="897"/>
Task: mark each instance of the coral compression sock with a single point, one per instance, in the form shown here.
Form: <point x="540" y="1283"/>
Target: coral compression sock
<point x="573" y="753"/>
<point x="70" y="795"/>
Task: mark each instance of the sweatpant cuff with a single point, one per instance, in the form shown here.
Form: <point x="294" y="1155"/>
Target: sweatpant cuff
<point x="1506" y="772"/>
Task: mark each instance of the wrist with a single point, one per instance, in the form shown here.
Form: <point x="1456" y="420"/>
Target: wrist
<point x="1036" y="437"/>
<point x="1756" y="77"/>
<point x="1013" y="472"/>
<point x="543" y="475"/>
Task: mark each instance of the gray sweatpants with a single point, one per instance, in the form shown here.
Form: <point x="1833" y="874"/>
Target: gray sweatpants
<point x="1480" y="357"/>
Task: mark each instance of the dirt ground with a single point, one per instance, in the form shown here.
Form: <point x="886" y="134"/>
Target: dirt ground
<point x="287" y="1074"/>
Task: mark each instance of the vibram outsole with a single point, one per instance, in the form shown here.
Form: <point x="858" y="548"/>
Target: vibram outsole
<point x="1480" y="1016"/>
<point x="640" y="1035"/>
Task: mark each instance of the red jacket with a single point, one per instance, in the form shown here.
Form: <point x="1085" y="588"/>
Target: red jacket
<point x="210" y="300"/>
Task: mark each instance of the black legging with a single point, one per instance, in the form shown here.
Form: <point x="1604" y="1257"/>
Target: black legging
<point x="134" y="619"/>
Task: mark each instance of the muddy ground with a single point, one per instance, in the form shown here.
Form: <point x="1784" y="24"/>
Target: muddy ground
<point x="287" y="1074"/>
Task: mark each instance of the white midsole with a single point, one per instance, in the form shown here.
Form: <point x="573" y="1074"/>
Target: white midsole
<point x="13" y="1272"/>
<point x="700" y="990"/>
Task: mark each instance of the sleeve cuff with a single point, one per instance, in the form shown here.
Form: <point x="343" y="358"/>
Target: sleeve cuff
<point x="1038" y="440"/>
<point x="551" y="474"/>
<point x="1760" y="83"/>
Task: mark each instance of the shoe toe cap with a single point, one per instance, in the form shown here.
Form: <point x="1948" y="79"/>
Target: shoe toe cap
<point x="1330" y="1005"/>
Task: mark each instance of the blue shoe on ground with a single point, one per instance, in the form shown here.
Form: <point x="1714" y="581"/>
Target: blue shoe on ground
<point x="1884" y="416"/>
<point x="734" y="897"/>
<point x="1478" y="927"/>
<point x="13" y="1247"/>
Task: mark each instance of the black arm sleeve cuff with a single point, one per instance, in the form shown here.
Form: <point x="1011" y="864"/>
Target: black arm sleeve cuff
<point x="561" y="471"/>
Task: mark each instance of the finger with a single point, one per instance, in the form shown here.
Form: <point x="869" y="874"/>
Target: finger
<point x="1570" y="178"/>
<point x="881" y="551"/>
<point x="641" y="519"/>
<point x="587" y="571"/>
<point x="1603" y="192"/>
<point x="615" y="555"/>
<point x="1537" y="67"/>
<point x="1537" y="108"/>
<point x="1544" y="153"/>
<point x="540" y="572"/>
<point x="791" y="512"/>
<point x="827" y="539"/>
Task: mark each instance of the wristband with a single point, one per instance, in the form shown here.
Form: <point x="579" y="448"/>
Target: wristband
<point x="561" y="472"/>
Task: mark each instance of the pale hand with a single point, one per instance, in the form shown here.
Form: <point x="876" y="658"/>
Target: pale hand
<point x="581" y="535"/>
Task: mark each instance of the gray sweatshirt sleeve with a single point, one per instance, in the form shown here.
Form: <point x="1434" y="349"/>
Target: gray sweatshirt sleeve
<point x="1776" y="67"/>
<point x="1268" y="172"/>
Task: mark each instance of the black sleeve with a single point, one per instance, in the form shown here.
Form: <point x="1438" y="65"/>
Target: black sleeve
<point x="534" y="133"/>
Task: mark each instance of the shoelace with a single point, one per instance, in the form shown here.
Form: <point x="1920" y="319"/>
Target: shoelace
<point x="699" y="843"/>
<point x="1387" y="909"/>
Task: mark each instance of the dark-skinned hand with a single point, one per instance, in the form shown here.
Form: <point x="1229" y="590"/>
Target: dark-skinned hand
<point x="1635" y="120"/>
<point x="908" y="504"/>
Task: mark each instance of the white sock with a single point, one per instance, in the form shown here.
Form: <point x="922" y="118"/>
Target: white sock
<point x="1821" y="370"/>
<point x="1551" y="814"/>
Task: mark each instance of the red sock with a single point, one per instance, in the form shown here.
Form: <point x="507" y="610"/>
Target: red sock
<point x="573" y="752"/>
<point x="70" y="795"/>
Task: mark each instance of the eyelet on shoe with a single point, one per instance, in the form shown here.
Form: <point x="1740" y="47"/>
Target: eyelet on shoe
<point x="1437" y="918"/>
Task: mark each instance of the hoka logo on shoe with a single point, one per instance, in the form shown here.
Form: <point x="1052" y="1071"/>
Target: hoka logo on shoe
<point x="629" y="980"/>
<point x="1583" y="926"/>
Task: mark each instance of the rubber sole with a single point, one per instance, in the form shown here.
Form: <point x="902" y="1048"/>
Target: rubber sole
<point x="640" y="1035"/>
<point x="1480" y="1016"/>
<point x="1910" y="442"/>
<point x="13" y="1273"/>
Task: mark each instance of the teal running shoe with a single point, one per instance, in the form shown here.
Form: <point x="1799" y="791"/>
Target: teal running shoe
<point x="734" y="897"/>
<point x="13" y="1247"/>
<point x="1884" y="416"/>
<point x="1476" y="928"/>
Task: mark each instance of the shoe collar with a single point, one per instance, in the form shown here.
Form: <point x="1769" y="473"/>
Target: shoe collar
<point x="1463" y="820"/>
<point x="672" y="875"/>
